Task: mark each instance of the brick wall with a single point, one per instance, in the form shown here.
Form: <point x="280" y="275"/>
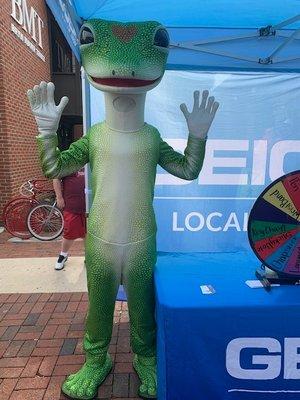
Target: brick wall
<point x="20" y="69"/>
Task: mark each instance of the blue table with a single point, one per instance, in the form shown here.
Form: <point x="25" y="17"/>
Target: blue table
<point x="237" y="344"/>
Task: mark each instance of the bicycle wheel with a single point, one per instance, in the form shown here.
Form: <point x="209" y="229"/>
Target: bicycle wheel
<point x="10" y="204"/>
<point x="45" y="222"/>
<point x="15" y="216"/>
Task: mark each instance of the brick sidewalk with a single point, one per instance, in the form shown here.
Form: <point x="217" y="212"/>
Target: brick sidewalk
<point x="41" y="337"/>
<point x="35" y="249"/>
<point x="41" y="342"/>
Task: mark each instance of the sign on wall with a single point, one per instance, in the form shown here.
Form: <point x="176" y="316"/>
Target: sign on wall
<point x="27" y="22"/>
<point x="254" y="140"/>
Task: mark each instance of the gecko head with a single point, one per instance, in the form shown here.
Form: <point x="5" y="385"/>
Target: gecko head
<point x="123" y="57"/>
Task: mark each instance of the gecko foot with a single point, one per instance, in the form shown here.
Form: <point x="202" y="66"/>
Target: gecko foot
<point x="145" y="367"/>
<point x="84" y="384"/>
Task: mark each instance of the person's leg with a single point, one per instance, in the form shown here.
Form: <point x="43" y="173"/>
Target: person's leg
<point x="139" y="285"/>
<point x="66" y="245"/>
<point x="63" y="255"/>
<point x="67" y="240"/>
<point x="74" y="228"/>
<point x="103" y="278"/>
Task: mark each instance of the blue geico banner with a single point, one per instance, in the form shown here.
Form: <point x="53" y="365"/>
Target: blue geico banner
<point x="69" y="22"/>
<point x="254" y="140"/>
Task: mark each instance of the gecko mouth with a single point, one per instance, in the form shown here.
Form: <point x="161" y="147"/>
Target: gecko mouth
<point x="124" y="82"/>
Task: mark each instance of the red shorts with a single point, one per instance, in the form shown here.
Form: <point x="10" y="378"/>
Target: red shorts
<point x="74" y="225"/>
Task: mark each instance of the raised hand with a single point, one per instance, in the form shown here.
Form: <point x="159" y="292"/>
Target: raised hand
<point x="202" y="116"/>
<point x="46" y="113"/>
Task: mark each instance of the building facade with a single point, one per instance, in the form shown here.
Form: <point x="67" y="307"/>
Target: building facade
<point x="32" y="49"/>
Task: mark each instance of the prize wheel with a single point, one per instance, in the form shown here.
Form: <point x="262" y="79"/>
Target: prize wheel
<point x="274" y="226"/>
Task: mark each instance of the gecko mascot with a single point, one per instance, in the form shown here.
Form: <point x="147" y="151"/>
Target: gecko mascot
<point x="124" y="60"/>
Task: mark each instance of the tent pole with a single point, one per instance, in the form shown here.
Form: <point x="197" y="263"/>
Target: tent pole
<point x="284" y="35"/>
<point x="221" y="39"/>
<point x="282" y="46"/>
<point x="86" y="118"/>
<point x="287" y="22"/>
<point x="185" y="45"/>
<point x="285" y="59"/>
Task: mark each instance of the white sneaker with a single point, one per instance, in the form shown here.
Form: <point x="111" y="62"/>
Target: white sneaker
<point x="60" y="263"/>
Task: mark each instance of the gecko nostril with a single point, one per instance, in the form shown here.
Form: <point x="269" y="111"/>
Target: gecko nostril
<point x="132" y="73"/>
<point x="113" y="72"/>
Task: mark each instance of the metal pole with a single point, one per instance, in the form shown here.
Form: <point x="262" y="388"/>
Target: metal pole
<point x="287" y="22"/>
<point x="284" y="44"/>
<point x="86" y="117"/>
<point x="202" y="49"/>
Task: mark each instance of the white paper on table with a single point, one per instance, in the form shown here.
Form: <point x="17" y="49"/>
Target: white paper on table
<point x="256" y="284"/>
<point x="207" y="289"/>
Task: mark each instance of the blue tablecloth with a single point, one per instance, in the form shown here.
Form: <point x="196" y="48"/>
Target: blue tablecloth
<point x="237" y="344"/>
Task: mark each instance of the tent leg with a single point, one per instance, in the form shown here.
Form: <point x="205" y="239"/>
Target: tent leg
<point x="86" y="116"/>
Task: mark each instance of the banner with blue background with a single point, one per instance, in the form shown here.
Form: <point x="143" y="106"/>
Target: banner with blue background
<point x="254" y="140"/>
<point x="68" y="20"/>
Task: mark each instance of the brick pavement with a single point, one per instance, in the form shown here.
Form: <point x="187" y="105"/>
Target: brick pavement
<point x="41" y="337"/>
<point x="41" y="342"/>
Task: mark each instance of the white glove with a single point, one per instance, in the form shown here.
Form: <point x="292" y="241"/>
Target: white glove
<point x="201" y="117"/>
<point x="46" y="113"/>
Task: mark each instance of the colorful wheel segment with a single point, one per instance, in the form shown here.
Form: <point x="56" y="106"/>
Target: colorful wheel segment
<point x="274" y="225"/>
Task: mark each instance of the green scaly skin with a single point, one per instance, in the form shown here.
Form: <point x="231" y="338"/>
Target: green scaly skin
<point x="145" y="367"/>
<point x="84" y="384"/>
<point x="121" y="243"/>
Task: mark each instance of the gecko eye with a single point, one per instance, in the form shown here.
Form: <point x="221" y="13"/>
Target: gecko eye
<point x="86" y="36"/>
<point x="161" y="38"/>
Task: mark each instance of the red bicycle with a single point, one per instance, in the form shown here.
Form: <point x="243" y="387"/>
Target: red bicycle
<point x="34" y="213"/>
